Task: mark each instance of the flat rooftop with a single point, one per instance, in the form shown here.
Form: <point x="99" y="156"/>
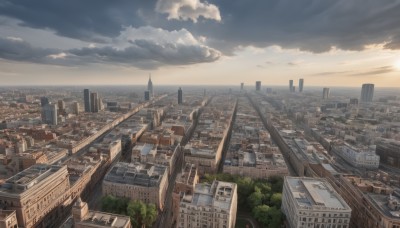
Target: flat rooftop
<point x="102" y="219"/>
<point x="219" y="195"/>
<point x="28" y="178"/>
<point x="312" y="193"/>
<point x="146" y="175"/>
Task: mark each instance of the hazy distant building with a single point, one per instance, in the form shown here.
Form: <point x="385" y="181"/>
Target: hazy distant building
<point x="269" y="90"/>
<point x="241" y="86"/>
<point x="301" y="84"/>
<point x="312" y="202"/>
<point x="44" y="101"/>
<point x="388" y="151"/>
<point x="367" y="92"/>
<point x="258" y="85"/>
<point x="49" y="114"/>
<point x="100" y="103"/>
<point x="94" y="102"/>
<point x="325" y="93"/>
<point x="291" y="85"/>
<point x="211" y="205"/>
<point x="146" y="95"/>
<point x="86" y="99"/>
<point x="359" y="157"/>
<point x="150" y="87"/>
<point x="354" y="101"/>
<point x="75" y="108"/>
<point x="180" y="96"/>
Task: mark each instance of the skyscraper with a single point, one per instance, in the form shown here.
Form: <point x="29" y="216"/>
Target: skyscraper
<point x="146" y="95"/>
<point x="241" y="86"/>
<point x="325" y="93"/>
<point x="150" y="87"/>
<point x="44" y="101"/>
<point x="291" y="85"/>
<point x="180" y="98"/>
<point x="49" y="114"/>
<point x="367" y="92"/>
<point x="258" y="85"/>
<point x="75" y="108"/>
<point x="86" y="99"/>
<point x="301" y="84"/>
<point x="94" y="102"/>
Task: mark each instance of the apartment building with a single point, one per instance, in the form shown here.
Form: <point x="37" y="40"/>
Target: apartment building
<point x="138" y="181"/>
<point x="311" y="202"/>
<point x="211" y="205"/>
<point x="35" y="192"/>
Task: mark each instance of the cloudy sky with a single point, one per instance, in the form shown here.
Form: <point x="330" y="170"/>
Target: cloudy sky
<point x="332" y="42"/>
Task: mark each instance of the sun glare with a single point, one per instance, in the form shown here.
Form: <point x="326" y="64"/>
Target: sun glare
<point x="397" y="64"/>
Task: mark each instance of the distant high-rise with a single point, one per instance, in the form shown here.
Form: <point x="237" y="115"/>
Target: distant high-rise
<point x="291" y="85"/>
<point x="146" y="95"/>
<point x="180" y="98"/>
<point x="94" y="101"/>
<point x="258" y="85"/>
<point x="325" y="93"/>
<point x="354" y="101"/>
<point x="75" y="108"/>
<point x="61" y="106"/>
<point x="86" y="99"/>
<point x="49" y="114"/>
<point x="241" y="86"/>
<point x="301" y="84"/>
<point x="150" y="87"/>
<point x="367" y="92"/>
<point x="44" y="101"/>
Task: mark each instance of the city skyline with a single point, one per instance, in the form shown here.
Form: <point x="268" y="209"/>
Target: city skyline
<point x="196" y="42"/>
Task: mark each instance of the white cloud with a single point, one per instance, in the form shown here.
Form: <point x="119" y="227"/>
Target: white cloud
<point x="13" y="38"/>
<point x="61" y="55"/>
<point x="156" y="35"/>
<point x="188" y="9"/>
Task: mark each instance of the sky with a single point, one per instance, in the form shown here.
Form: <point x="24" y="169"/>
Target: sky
<point x="186" y="42"/>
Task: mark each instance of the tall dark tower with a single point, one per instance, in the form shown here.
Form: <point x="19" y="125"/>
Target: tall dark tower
<point x="258" y="85"/>
<point x="291" y="85"/>
<point x="367" y="92"/>
<point x="150" y="87"/>
<point x="86" y="99"/>
<point x="180" y="98"/>
<point x="94" y="101"/>
<point x="301" y="84"/>
<point x="44" y="101"/>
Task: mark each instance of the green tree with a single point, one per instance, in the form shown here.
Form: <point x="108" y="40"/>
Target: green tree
<point x="260" y="213"/>
<point x="141" y="214"/>
<point x="276" y="200"/>
<point x="255" y="199"/>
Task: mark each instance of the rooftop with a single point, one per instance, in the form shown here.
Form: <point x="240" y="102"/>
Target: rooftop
<point x="312" y="193"/>
<point x="28" y="178"/>
<point x="102" y="219"/>
<point x="219" y="195"/>
<point x="146" y="175"/>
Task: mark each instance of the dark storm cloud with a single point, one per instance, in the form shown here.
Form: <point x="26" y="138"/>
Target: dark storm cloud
<point x="150" y="54"/>
<point x="18" y="50"/>
<point x="311" y="25"/>
<point x="141" y="53"/>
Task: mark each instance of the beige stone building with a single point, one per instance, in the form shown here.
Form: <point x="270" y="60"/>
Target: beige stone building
<point x="137" y="181"/>
<point x="185" y="183"/>
<point x="211" y="205"/>
<point x="311" y="202"/>
<point x="35" y="192"/>
<point x="8" y="219"/>
<point x="85" y="218"/>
